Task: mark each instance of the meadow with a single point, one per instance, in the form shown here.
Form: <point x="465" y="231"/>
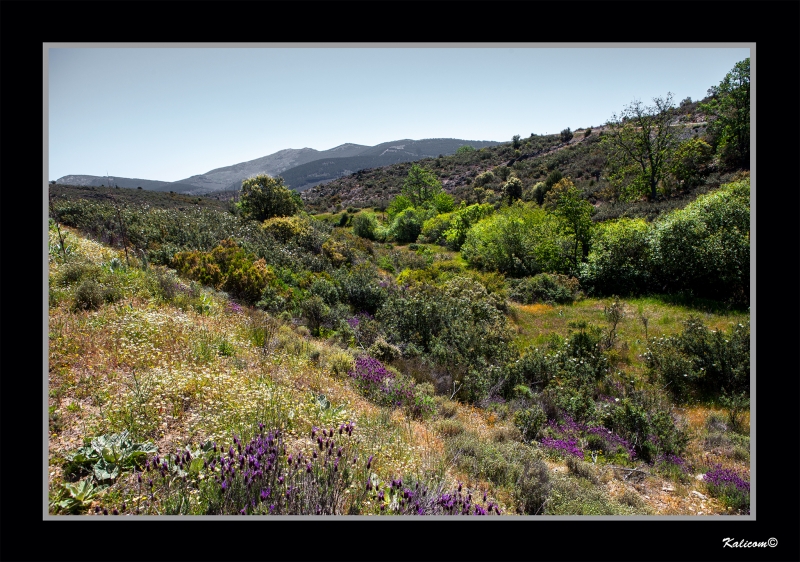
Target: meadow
<point x="203" y="363"/>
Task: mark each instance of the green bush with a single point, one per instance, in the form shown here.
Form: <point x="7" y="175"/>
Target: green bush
<point x="705" y="247"/>
<point x="702" y="363"/>
<point x="619" y="261"/>
<point x="362" y="287"/>
<point x="485" y="178"/>
<point x="461" y="221"/>
<point x="530" y="421"/>
<point x="517" y="241"/>
<point x="315" y="312"/>
<point x="407" y="225"/>
<point x="326" y="289"/>
<point x="459" y="325"/>
<point x="263" y="197"/>
<point x="434" y="228"/>
<point x="89" y="295"/>
<point x="651" y="430"/>
<point x="364" y="225"/>
<point x="443" y="202"/>
<point x="544" y="287"/>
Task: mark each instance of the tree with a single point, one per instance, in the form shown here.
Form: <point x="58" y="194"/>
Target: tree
<point x="566" y="135"/>
<point x="575" y="213"/>
<point x="420" y="185"/>
<point x="513" y="189"/>
<point x="730" y="104"/>
<point x="516" y="141"/>
<point x="263" y="197"/>
<point x="690" y="162"/>
<point x="641" y="141"/>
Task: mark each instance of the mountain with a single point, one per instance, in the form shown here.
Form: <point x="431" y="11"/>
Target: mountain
<point x="323" y="170"/>
<point x="230" y="177"/>
<point x="301" y="168"/>
<point x="108" y="181"/>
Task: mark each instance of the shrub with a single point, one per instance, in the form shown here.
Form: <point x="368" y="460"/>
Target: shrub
<point x="460" y="326"/>
<point x="286" y="228"/>
<point x="587" y="132"/>
<point x="532" y="488"/>
<point x="484" y="178"/>
<point x="363" y="287"/>
<point x="398" y="204"/>
<point x="582" y="469"/>
<point x="702" y="362"/>
<point x="315" y="311"/>
<point x="705" y="247"/>
<point x="513" y="189"/>
<point x="434" y="228"/>
<point x="530" y="421"/>
<point x="364" y="225"/>
<point x="461" y="221"/>
<point x="450" y="428"/>
<point x="263" y="197"/>
<point x="619" y="261"/>
<point x="72" y="272"/>
<point x="340" y="363"/>
<point x="729" y="486"/>
<point x="545" y="287"/>
<point x="407" y="225"/>
<point x="443" y="202"/>
<point x="517" y="241"/>
<point x="650" y="431"/>
<point x="326" y="289"/>
<point x="383" y="350"/>
<point x="566" y="135"/>
<point x="89" y="295"/>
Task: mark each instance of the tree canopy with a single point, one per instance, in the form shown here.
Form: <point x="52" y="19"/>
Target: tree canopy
<point x="421" y="185"/>
<point x="264" y="197"/>
<point x="730" y="106"/>
<point x="641" y="140"/>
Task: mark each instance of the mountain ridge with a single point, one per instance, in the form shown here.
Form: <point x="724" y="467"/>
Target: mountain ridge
<point x="332" y="163"/>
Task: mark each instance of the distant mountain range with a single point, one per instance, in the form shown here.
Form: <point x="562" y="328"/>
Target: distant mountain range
<point x="301" y="168"/>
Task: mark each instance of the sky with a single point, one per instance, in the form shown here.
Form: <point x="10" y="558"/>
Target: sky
<point x="170" y="113"/>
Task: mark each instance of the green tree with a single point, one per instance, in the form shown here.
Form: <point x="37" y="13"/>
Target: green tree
<point x="420" y="185"/>
<point x="575" y="213"/>
<point x="690" y="162"/>
<point x="399" y="203"/>
<point x="641" y="141"/>
<point x="516" y="141"/>
<point x="465" y="149"/>
<point x="513" y="189"/>
<point x="566" y="135"/>
<point x="730" y="105"/>
<point x="443" y="202"/>
<point x="263" y="197"/>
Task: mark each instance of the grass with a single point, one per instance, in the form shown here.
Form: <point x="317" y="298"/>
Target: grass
<point x="180" y="365"/>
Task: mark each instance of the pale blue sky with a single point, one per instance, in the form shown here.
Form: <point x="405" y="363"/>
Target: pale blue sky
<point x="169" y="113"/>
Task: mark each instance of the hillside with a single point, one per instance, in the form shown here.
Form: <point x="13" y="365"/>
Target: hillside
<point x="176" y="369"/>
<point x="583" y="158"/>
<point x="134" y="183"/>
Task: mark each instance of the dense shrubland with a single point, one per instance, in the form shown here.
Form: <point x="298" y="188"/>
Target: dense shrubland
<point x="513" y="307"/>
